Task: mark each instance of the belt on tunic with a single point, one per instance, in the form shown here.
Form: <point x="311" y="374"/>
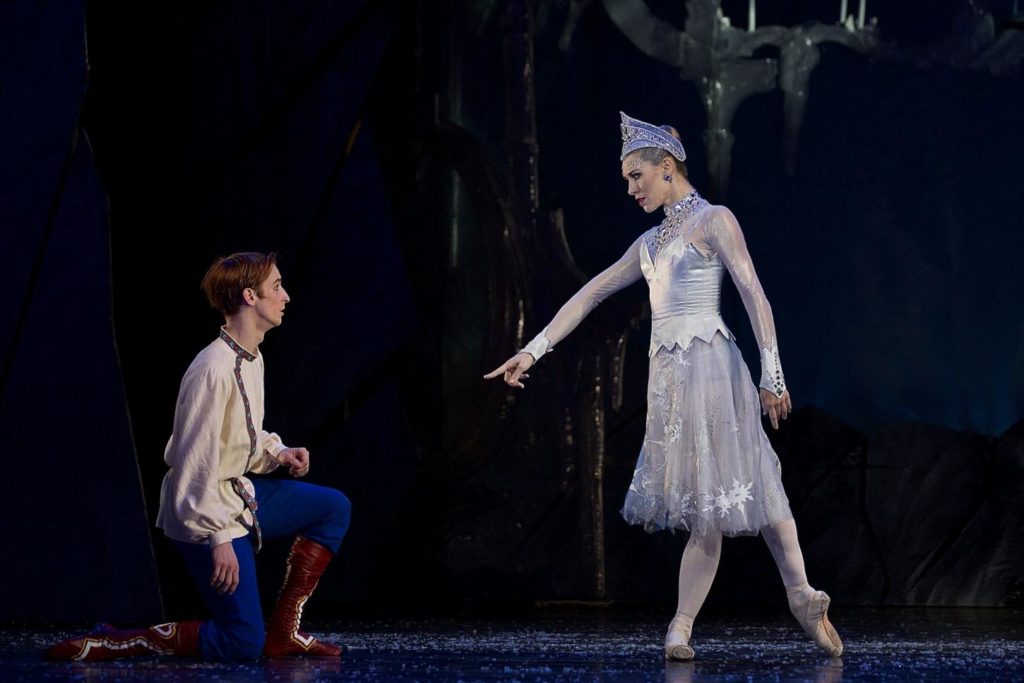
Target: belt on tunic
<point x="250" y="505"/>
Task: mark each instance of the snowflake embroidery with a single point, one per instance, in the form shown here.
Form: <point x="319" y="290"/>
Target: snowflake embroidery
<point x="735" y="497"/>
<point x="686" y="504"/>
<point x="680" y="358"/>
<point x="666" y="384"/>
<point x="680" y="501"/>
<point x="674" y="432"/>
<point x="709" y="418"/>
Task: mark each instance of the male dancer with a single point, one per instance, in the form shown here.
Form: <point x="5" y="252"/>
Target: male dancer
<point x="215" y="516"/>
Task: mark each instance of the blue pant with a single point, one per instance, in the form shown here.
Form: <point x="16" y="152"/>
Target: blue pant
<point x="285" y="508"/>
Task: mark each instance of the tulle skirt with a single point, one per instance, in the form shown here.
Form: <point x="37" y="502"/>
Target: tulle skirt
<point x="706" y="464"/>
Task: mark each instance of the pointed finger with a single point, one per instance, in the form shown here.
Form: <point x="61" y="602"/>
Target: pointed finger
<point x="496" y="371"/>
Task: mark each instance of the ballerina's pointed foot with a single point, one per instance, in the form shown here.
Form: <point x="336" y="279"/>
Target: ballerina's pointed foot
<point x="677" y="640"/>
<point x="679" y="652"/>
<point x="812" y="613"/>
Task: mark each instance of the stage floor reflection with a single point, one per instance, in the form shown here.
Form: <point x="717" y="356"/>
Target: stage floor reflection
<point x="597" y="644"/>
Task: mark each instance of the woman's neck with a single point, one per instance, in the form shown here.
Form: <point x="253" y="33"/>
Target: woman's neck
<point x="680" y="189"/>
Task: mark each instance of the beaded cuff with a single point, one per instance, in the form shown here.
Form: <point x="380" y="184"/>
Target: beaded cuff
<point x="538" y="346"/>
<point x="771" y="370"/>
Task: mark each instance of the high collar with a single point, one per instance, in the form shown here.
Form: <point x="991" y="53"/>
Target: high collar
<point x="687" y="205"/>
<point x="235" y="346"/>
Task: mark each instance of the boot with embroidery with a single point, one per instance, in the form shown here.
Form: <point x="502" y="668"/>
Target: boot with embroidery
<point x="306" y="563"/>
<point x="178" y="638"/>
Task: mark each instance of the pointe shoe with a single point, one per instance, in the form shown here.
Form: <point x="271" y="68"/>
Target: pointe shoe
<point x="812" y="613"/>
<point x="677" y="640"/>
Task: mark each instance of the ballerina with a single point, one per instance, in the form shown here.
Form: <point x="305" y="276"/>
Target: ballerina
<point x="706" y="465"/>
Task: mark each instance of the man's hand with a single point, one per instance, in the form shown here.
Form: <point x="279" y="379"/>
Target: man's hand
<point x="225" y="569"/>
<point x="297" y="460"/>
<point x="775" y="407"/>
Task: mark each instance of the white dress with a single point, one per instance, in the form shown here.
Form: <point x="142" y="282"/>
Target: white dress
<point x="706" y="464"/>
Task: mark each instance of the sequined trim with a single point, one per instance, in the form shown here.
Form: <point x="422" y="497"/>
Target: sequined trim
<point x="772" y="378"/>
<point x="637" y="134"/>
<point x="675" y="216"/>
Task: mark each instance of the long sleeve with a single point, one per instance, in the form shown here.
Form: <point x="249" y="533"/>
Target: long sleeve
<point x="195" y="452"/>
<point x="619" y="275"/>
<point x="272" y="446"/>
<point x="725" y="237"/>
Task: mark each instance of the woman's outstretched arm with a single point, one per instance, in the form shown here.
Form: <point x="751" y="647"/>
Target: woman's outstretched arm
<point x="619" y="275"/>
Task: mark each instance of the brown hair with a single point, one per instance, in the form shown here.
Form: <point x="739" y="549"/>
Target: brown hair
<point x="655" y="155"/>
<point x="229" y="276"/>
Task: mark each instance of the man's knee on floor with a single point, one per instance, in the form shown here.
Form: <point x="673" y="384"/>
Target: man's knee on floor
<point x="245" y="643"/>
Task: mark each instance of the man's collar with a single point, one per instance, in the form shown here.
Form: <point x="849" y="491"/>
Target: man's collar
<point x="235" y="346"/>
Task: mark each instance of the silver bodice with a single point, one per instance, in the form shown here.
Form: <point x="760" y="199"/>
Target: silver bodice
<point x="685" y="290"/>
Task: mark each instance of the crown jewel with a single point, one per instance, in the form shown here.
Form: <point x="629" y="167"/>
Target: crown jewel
<point x="637" y="134"/>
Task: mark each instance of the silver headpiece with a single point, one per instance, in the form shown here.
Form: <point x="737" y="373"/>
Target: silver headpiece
<point x="637" y="134"/>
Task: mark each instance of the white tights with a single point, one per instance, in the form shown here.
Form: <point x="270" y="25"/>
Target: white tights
<point x="696" y="572"/>
<point x="700" y="563"/>
<point x="785" y="548"/>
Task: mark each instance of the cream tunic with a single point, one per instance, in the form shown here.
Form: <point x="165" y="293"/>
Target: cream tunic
<point x="215" y="439"/>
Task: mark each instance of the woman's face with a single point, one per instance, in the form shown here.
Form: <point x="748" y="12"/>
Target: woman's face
<point x="646" y="182"/>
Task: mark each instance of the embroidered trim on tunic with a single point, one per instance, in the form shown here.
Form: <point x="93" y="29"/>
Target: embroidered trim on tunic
<point x="242" y="354"/>
<point x="247" y="499"/>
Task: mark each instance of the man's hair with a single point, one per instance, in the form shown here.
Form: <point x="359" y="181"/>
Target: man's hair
<point x="229" y="276"/>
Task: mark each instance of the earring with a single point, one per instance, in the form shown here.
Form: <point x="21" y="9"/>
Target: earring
<point x="667" y="177"/>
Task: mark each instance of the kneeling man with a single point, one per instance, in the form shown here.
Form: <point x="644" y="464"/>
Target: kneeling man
<point x="216" y="516"/>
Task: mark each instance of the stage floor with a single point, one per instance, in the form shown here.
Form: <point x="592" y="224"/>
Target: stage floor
<point x="595" y="644"/>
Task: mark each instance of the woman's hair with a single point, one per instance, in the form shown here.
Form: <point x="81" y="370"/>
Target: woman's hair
<point x="230" y="276"/>
<point x="655" y="155"/>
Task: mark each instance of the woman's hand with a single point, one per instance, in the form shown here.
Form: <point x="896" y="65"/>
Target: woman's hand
<point x="775" y="407"/>
<point x="225" y="569"/>
<point x="514" y="369"/>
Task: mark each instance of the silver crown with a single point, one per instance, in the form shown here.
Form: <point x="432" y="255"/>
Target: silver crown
<point x="636" y="134"/>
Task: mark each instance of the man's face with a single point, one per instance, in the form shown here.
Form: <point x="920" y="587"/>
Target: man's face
<point x="271" y="299"/>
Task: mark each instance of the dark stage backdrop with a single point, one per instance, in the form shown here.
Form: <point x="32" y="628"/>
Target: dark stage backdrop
<point x="373" y="145"/>
<point x="75" y="538"/>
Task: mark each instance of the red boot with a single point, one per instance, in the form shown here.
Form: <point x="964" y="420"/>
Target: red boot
<point x="180" y="638"/>
<point x="306" y="562"/>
